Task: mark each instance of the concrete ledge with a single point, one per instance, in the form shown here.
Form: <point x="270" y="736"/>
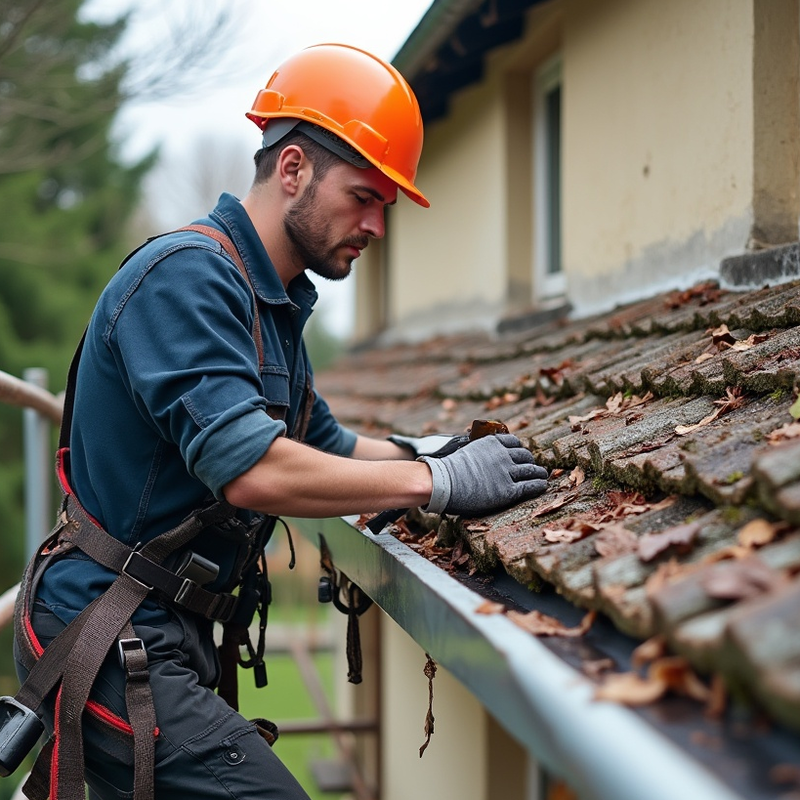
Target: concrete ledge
<point x="761" y="268"/>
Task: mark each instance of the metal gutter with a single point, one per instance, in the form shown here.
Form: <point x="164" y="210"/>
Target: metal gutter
<point x="437" y="24"/>
<point x="603" y="750"/>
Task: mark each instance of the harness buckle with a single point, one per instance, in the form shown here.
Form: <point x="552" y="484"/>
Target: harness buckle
<point x="124" y="571"/>
<point x="128" y="647"/>
<point x="184" y="595"/>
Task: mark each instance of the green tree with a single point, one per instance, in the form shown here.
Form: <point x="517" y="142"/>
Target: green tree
<point x="65" y="199"/>
<point x="66" y="196"/>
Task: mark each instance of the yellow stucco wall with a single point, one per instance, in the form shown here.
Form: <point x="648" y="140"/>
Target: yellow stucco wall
<point x="454" y="766"/>
<point x="448" y="255"/>
<point x="658" y="147"/>
<point x="658" y="140"/>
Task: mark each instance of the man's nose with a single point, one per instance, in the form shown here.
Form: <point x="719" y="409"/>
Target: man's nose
<point x="373" y="224"/>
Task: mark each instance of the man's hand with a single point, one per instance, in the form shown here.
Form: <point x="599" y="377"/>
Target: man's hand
<point x="485" y="475"/>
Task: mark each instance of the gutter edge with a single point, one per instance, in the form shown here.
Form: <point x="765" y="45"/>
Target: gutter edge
<point x="602" y="749"/>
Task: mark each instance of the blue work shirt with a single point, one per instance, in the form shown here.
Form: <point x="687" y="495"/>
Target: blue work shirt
<point x="169" y="403"/>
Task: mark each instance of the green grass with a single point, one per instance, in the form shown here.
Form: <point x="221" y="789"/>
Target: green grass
<point x="286" y="699"/>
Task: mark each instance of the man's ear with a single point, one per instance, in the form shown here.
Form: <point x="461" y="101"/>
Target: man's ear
<point x="293" y="169"/>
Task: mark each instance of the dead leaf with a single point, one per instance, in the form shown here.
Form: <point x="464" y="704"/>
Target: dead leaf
<point x="614" y="541"/>
<point x="666" y="573"/>
<point x="596" y="668"/>
<point x="556" y="374"/>
<point x="733" y="399"/>
<point x="489" y="607"/>
<point x="577" y="476"/>
<point x="361" y="522"/>
<point x="573" y="530"/>
<point x="750" y="341"/>
<point x="648" y="651"/>
<point x="706" y="293"/>
<point x="721" y="335"/>
<point x="669" y="673"/>
<point x="430" y="673"/>
<point x="740" y="579"/>
<point x="791" y="430"/>
<point x="625" y="504"/>
<point x="630" y="689"/>
<point x="679" y="677"/>
<point x="543" y="625"/>
<point x="703" y="357"/>
<point x="727" y="553"/>
<point x="680" y="537"/>
<point x="562" y="535"/>
<point x="615" y="404"/>
<point x="546" y="508"/>
<point x="757" y="533"/>
<point x="501" y="400"/>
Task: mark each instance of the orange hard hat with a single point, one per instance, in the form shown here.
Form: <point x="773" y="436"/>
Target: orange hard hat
<point x="358" y="97"/>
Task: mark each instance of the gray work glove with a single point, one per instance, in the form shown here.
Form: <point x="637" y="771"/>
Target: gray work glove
<point x="435" y="445"/>
<point x="488" y="474"/>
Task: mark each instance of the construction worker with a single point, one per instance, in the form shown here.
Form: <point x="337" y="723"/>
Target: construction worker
<point x="192" y="422"/>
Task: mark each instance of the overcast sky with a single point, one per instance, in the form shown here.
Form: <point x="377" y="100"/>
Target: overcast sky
<point x="263" y="33"/>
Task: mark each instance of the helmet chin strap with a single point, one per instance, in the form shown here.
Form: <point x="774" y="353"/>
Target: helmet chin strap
<point x="276" y="129"/>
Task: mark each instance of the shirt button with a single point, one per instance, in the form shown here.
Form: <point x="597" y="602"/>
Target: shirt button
<point x="286" y="342"/>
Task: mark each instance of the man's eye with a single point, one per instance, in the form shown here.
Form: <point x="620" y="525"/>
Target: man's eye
<point x="360" y="199"/>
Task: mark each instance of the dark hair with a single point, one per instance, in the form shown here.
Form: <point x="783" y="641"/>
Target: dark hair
<point x="267" y="157"/>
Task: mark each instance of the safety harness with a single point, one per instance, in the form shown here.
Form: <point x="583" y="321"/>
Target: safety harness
<point x="69" y="665"/>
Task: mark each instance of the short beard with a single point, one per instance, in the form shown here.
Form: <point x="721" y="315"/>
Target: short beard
<point x="310" y="236"/>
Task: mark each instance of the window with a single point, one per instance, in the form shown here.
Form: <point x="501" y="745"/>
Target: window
<point x="549" y="277"/>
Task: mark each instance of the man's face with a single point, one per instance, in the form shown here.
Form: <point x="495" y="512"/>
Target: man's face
<point x="332" y="221"/>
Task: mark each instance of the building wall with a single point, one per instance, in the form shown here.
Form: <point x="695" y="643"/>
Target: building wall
<point x="658" y="143"/>
<point x="680" y="147"/>
<point x="448" y="255"/>
<point x="454" y="766"/>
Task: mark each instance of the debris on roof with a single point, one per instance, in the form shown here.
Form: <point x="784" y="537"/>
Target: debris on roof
<point x="671" y="430"/>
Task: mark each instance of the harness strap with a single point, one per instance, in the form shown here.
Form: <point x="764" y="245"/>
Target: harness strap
<point x="113" y="554"/>
<point x="76" y="655"/>
<point x="230" y="248"/>
<point x="141" y="710"/>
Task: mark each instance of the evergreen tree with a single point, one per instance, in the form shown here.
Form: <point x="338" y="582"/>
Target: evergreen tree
<point x="65" y="199"/>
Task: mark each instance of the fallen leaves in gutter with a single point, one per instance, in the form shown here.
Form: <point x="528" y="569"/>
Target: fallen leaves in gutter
<point x="489" y="607"/>
<point x="543" y="625"/>
<point x="536" y="622"/>
<point x="664" y="674"/>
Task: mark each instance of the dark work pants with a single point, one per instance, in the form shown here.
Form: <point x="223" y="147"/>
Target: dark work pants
<point x="204" y="749"/>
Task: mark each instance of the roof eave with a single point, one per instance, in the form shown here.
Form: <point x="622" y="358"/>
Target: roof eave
<point x="436" y="25"/>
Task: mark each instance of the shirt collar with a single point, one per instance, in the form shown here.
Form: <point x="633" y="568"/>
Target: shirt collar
<point x="231" y="216"/>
